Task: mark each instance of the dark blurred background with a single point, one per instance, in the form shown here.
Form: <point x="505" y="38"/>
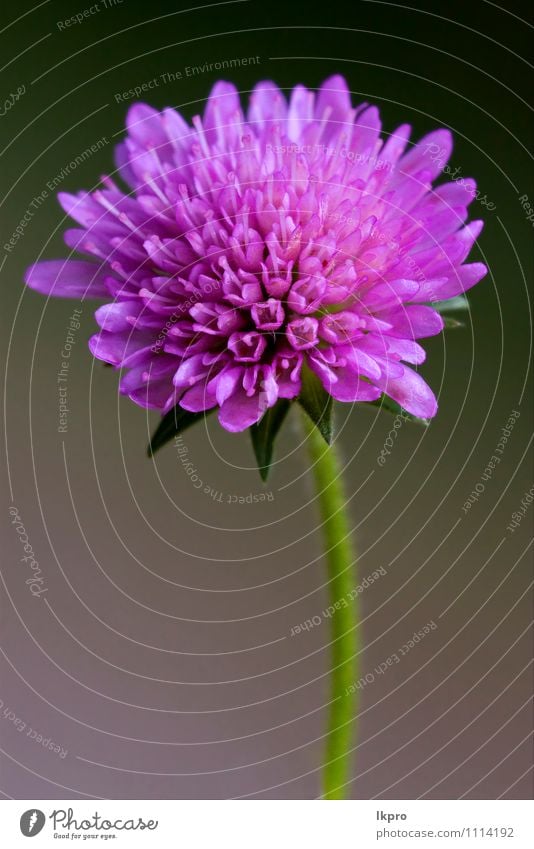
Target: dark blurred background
<point x="160" y="661"/>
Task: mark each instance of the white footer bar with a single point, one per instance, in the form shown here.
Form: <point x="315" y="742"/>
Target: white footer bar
<point x="268" y="824"/>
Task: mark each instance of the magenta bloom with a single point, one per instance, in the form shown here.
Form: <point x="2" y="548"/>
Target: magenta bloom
<point x="250" y="249"/>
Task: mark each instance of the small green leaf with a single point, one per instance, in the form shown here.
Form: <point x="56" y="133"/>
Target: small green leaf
<point x="174" y="422"/>
<point x="264" y="433"/>
<point x="456" y="304"/>
<point x="317" y="403"/>
<point x="387" y="403"/>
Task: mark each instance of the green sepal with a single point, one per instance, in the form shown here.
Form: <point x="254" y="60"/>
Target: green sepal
<point x="173" y="423"/>
<point x="317" y="403"/>
<point x="457" y="304"/>
<point x="453" y="305"/>
<point x="264" y="433"/>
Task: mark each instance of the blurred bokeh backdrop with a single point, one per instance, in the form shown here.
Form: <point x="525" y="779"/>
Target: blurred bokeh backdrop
<point x="160" y="661"/>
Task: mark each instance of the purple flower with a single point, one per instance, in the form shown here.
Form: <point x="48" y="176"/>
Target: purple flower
<point x="250" y="251"/>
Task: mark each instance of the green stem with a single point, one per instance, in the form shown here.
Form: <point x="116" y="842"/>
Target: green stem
<point x="340" y="559"/>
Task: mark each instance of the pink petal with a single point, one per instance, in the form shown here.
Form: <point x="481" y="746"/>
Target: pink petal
<point x="349" y="387"/>
<point x="127" y="348"/>
<point x="396" y="144"/>
<point x="461" y="280"/>
<point x="430" y="154"/>
<point x="300" y="113"/>
<point x="454" y="249"/>
<point x="115" y="317"/>
<point x="190" y="371"/>
<point x="145" y="126"/>
<point x="415" y="322"/>
<point x="333" y="104"/>
<point x="222" y="115"/>
<point x="81" y="207"/>
<point x="67" y="279"/>
<point x="391" y="294"/>
<point x="267" y="105"/>
<point x="176" y="129"/>
<point x="122" y="161"/>
<point x="366" y="130"/>
<point x="241" y="411"/>
<point x="198" y="398"/>
<point x="411" y="392"/>
<point x="149" y="386"/>
<point x="153" y="395"/>
<point x="343" y="382"/>
<point x="227" y="382"/>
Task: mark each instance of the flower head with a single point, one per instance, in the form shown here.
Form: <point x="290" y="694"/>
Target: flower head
<point x="250" y="251"/>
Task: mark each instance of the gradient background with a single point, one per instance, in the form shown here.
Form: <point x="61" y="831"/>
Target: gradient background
<point x="161" y="657"/>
